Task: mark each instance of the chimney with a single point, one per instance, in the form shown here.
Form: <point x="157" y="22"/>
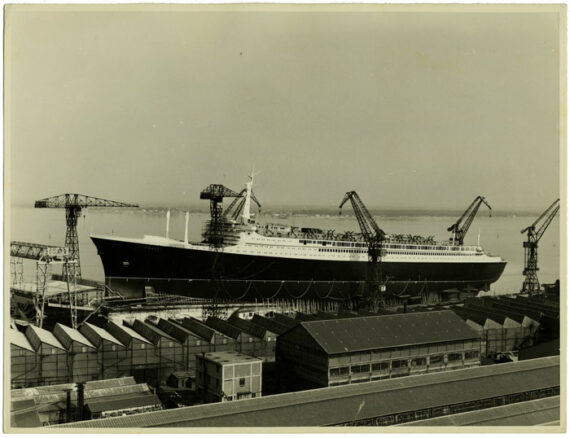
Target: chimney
<point x="80" y="400"/>
<point x="68" y="418"/>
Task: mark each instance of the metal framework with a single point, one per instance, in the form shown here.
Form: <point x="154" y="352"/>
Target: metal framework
<point x="460" y="228"/>
<point x="236" y="206"/>
<point x="534" y="232"/>
<point x="73" y="203"/>
<point x="373" y="235"/>
<point x="216" y="193"/>
<point x="45" y="256"/>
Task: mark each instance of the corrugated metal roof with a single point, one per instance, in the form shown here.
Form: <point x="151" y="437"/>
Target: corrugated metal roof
<point x="335" y="405"/>
<point x="285" y="320"/>
<point x="223" y="327"/>
<point x="528" y="413"/>
<point x="270" y="324"/>
<point x="174" y="330"/>
<point x="124" y="333"/>
<point x="199" y="328"/>
<point x="103" y="334"/>
<point x="18" y="339"/>
<point x="24" y="413"/>
<point x="248" y="327"/>
<point x="114" y="404"/>
<point x="148" y="323"/>
<point x="386" y="331"/>
<point x="46" y="337"/>
<point x="75" y="335"/>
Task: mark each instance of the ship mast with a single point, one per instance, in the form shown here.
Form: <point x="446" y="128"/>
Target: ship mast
<point x="246" y="214"/>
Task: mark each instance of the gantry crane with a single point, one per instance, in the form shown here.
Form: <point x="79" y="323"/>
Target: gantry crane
<point x="73" y="203"/>
<point x="460" y="228"/>
<point x="216" y="194"/>
<point x="534" y="233"/>
<point x="373" y="236"/>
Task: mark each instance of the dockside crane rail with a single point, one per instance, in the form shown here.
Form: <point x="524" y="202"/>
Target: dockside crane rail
<point x="534" y="234"/>
<point x="460" y="228"/>
<point x="373" y="235"/>
<point x="73" y="204"/>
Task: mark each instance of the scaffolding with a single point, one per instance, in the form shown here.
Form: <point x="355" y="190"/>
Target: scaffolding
<point x="45" y="256"/>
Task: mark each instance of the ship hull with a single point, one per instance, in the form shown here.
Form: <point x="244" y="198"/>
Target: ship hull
<point x="135" y="268"/>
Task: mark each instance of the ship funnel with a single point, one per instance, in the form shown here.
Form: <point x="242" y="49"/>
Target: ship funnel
<point x="186" y="228"/>
<point x="167" y="223"/>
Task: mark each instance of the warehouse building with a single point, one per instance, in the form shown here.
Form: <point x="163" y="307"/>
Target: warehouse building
<point x="110" y="351"/>
<point x="24" y="366"/>
<point x="227" y="376"/>
<point x="262" y="340"/>
<point x="343" y="351"/>
<point x="168" y="349"/>
<point x="82" y="353"/>
<point x="51" y="356"/>
<point x="217" y="340"/>
<point x="142" y="361"/>
<point x="382" y="403"/>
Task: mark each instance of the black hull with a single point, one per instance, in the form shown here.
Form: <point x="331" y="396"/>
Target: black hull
<point x="131" y="268"/>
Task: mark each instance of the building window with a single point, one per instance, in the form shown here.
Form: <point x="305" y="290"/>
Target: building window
<point x="83" y="349"/>
<point x="171" y="344"/>
<point x="399" y="364"/>
<point x="225" y="341"/>
<point x="114" y="348"/>
<point x="250" y="339"/>
<point x="472" y="354"/>
<point x="242" y="381"/>
<point x="436" y="360"/>
<point x="419" y="362"/>
<point x="453" y="357"/>
<point x="380" y="366"/>
<point x="360" y="368"/>
<point x="197" y="343"/>
<point x="142" y="346"/>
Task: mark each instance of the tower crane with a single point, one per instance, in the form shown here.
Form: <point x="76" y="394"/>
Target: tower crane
<point x="460" y="228"/>
<point x="73" y="203"/>
<point x="373" y="236"/>
<point x="534" y="233"/>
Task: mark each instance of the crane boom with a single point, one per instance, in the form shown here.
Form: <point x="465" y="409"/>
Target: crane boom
<point x="460" y="228"/>
<point x="531" y="283"/>
<point x="76" y="200"/>
<point x="368" y="226"/>
<point x="236" y="206"/>
<point x="73" y="203"/>
<point x="373" y="235"/>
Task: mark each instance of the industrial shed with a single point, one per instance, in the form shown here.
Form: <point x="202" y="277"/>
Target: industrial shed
<point x="110" y="351"/>
<point x="353" y="350"/>
<point x="170" y="351"/>
<point x="264" y="340"/>
<point x="381" y="403"/>
<point x="217" y="340"/>
<point x="51" y="355"/>
<point x="142" y="360"/>
<point x="82" y="353"/>
<point x="24" y="363"/>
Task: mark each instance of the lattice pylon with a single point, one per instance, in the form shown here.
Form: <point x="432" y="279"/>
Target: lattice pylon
<point x="16" y="271"/>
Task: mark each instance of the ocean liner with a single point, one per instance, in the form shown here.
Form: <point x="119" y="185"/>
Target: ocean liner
<point x="240" y="258"/>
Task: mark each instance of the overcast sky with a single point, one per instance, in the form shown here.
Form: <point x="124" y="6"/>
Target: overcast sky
<point x="410" y="109"/>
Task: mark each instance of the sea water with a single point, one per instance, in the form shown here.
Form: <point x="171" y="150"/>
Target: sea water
<point x="499" y="235"/>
